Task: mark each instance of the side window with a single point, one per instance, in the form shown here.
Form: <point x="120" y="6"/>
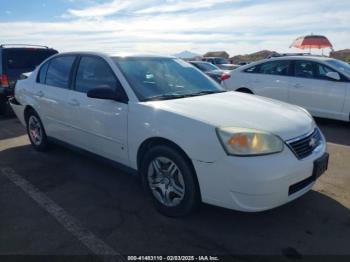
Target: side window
<point x="252" y="69"/>
<point x="59" y="70"/>
<point x="94" y="72"/>
<point x="322" y="70"/>
<point x="304" y="69"/>
<point x="274" y="68"/>
<point x="42" y="73"/>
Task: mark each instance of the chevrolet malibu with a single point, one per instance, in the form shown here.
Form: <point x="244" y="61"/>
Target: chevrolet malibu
<point x="188" y="139"/>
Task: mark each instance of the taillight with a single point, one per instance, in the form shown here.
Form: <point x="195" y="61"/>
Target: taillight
<point x="225" y="77"/>
<point x="4" y="81"/>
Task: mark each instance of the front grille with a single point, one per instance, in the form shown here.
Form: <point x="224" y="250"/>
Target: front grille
<point x="304" y="146"/>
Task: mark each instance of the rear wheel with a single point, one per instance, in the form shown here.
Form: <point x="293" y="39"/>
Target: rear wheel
<point x="36" y="131"/>
<point x="169" y="179"/>
<point x="3" y="105"/>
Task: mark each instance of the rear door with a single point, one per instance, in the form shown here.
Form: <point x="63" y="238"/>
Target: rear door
<point x="312" y="89"/>
<point x="23" y="60"/>
<point x="51" y="93"/>
<point x="270" y="79"/>
<point x="100" y="126"/>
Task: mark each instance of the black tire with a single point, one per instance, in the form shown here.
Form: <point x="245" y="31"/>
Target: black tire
<point x="3" y="105"/>
<point x="245" y="90"/>
<point x="191" y="199"/>
<point x="43" y="144"/>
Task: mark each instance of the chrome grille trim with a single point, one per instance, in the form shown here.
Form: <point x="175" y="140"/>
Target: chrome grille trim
<point x="302" y="146"/>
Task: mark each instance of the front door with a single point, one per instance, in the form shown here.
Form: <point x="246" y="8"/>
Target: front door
<point x="313" y="90"/>
<point x="100" y="125"/>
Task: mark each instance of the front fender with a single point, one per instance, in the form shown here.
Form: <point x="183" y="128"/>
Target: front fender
<point x="197" y="139"/>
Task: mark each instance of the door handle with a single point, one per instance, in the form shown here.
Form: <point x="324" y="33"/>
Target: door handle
<point x="40" y="93"/>
<point x="74" y="102"/>
<point x="298" y="85"/>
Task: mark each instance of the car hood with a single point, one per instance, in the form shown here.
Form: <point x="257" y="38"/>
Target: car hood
<point x="233" y="109"/>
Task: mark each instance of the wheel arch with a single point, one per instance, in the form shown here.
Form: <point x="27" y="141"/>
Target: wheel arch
<point x="156" y="141"/>
<point x="245" y="90"/>
<point x="26" y="111"/>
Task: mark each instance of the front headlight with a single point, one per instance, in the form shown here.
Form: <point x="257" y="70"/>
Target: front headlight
<point x="248" y="142"/>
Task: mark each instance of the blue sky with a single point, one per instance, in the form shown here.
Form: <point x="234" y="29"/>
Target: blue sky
<point x="171" y="26"/>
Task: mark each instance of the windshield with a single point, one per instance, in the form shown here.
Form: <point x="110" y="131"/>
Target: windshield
<point x="221" y="61"/>
<point x="340" y="65"/>
<point x="206" y="66"/>
<point x="165" y="78"/>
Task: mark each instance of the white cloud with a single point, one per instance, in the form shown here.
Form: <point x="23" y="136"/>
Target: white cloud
<point x="188" y="5"/>
<point x="101" y="10"/>
<point x="271" y="25"/>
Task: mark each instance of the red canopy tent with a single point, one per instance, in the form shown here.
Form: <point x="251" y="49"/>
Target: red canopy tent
<point x="312" y="41"/>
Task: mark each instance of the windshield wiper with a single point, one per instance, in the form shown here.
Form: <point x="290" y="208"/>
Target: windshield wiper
<point x="165" y="97"/>
<point x="206" y="92"/>
<point x="177" y="96"/>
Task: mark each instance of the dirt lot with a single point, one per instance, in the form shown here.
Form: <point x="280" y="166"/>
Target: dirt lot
<point x="66" y="203"/>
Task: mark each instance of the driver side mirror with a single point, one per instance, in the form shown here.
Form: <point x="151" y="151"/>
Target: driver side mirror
<point x="106" y="92"/>
<point x="333" y="75"/>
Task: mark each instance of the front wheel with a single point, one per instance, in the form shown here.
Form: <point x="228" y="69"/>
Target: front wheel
<point x="36" y="131"/>
<point x="169" y="179"/>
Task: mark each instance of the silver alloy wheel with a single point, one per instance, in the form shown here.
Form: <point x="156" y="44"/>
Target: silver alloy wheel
<point x="35" y="130"/>
<point x="166" y="181"/>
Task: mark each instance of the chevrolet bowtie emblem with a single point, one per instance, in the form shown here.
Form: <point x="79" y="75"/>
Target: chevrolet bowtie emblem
<point x="312" y="142"/>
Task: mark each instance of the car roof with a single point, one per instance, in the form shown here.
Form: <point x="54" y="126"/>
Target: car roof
<point x="211" y="57"/>
<point x="116" y="54"/>
<point x="24" y="46"/>
<point x="301" y="57"/>
<point x="200" y="62"/>
<point x="287" y="57"/>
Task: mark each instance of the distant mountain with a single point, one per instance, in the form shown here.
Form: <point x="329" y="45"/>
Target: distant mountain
<point x="252" y="57"/>
<point x="341" y="54"/>
<point x="186" y="55"/>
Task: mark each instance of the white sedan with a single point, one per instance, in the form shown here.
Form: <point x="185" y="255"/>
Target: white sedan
<point x="189" y="140"/>
<point x="319" y="84"/>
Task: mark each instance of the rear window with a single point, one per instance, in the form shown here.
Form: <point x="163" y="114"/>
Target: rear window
<point x="26" y="58"/>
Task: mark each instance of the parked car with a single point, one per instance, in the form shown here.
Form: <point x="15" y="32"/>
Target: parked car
<point x="220" y="62"/>
<point x="319" y="84"/>
<point x="211" y="70"/>
<point x="190" y="140"/>
<point x="15" y="60"/>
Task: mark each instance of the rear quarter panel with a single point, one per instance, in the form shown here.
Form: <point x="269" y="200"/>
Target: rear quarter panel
<point x="237" y="80"/>
<point x="24" y="91"/>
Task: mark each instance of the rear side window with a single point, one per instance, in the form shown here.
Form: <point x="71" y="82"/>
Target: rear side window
<point x="42" y="73"/>
<point x="271" y="68"/>
<point x="252" y="69"/>
<point x="274" y="68"/>
<point x="26" y="59"/>
<point x="94" y="72"/>
<point x="59" y="70"/>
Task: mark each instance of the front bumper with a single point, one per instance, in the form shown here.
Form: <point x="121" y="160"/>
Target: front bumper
<point x="258" y="183"/>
